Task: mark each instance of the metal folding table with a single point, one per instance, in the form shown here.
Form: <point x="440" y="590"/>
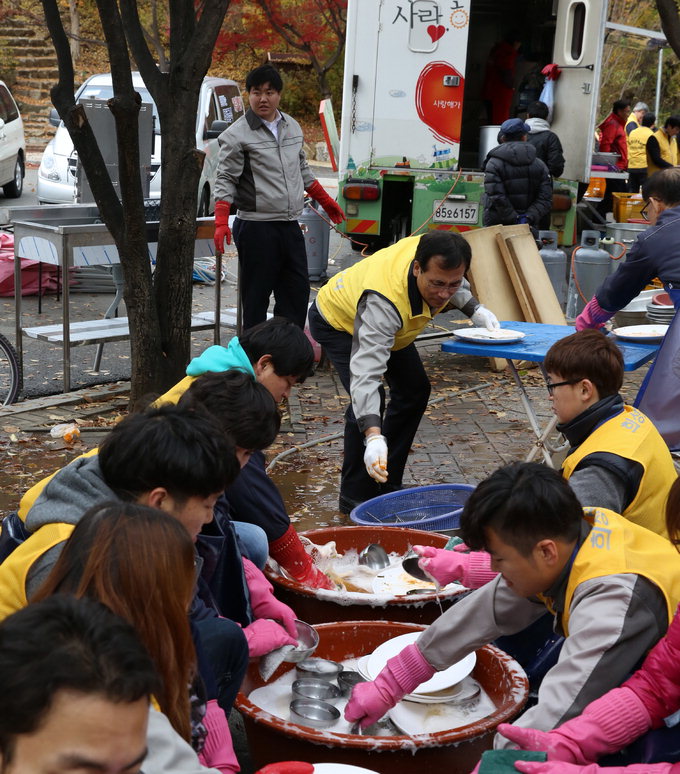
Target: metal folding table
<point x="533" y="348"/>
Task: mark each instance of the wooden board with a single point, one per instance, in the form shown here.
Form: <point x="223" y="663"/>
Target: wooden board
<point x="516" y="279"/>
<point x="537" y="285"/>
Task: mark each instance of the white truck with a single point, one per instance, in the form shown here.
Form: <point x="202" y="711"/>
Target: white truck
<point x="413" y="115"/>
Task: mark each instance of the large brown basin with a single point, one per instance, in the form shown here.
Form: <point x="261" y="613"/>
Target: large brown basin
<point x="456" y="751"/>
<point x="323" y="606"/>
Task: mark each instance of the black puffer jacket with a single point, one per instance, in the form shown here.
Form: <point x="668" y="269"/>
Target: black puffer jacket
<point x="547" y="144"/>
<point x="517" y="185"/>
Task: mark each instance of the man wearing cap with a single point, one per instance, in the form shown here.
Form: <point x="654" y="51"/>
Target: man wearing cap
<point x="517" y="184"/>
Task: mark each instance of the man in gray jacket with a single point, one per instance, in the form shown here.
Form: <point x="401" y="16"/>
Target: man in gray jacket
<point x="262" y="171"/>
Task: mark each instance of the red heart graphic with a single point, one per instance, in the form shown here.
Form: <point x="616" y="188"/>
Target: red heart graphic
<point x="435" y="32"/>
<point x="440" y="107"/>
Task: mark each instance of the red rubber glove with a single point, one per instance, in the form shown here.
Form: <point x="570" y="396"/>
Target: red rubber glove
<point x="263" y="602"/>
<point x="218" y="750"/>
<point x="607" y="725"/>
<point x="265" y="635"/>
<point x="471" y="568"/>
<point x="401" y="675"/>
<point x="333" y="209"/>
<point x="289" y="552"/>
<point x="559" y="767"/>
<point x="592" y="316"/>
<point x="222" y="230"/>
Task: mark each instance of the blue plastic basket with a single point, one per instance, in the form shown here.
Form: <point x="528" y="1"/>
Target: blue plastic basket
<point x="431" y="508"/>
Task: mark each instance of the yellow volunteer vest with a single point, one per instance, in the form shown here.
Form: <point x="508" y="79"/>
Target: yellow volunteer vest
<point x="669" y="149"/>
<point x="615" y="546"/>
<point x="633" y="436"/>
<point x="174" y="393"/>
<point x="386" y="272"/>
<point x="14" y="570"/>
<point x="637" y="147"/>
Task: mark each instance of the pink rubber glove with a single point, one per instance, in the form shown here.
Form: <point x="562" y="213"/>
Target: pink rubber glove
<point x="222" y="230"/>
<point x="592" y="316"/>
<point x="607" y="725"/>
<point x="218" y="750"/>
<point x="287" y="767"/>
<point x="263" y="602"/>
<point x="471" y="568"/>
<point x="264" y="635"/>
<point x="401" y="675"/>
<point x="559" y="767"/>
<point x="333" y="209"/>
<point x="289" y="552"/>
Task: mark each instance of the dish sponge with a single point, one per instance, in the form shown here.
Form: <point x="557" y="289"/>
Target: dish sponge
<point x="503" y="761"/>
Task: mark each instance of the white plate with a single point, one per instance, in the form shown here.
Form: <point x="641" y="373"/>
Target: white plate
<point x="419" y="719"/>
<point x="441" y="680"/>
<point x="362" y="666"/>
<point x="641" y="332"/>
<point x="483" y="336"/>
<point x="395" y="580"/>
<point x="341" y="768"/>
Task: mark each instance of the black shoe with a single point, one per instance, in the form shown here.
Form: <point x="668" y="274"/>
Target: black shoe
<point x="346" y="504"/>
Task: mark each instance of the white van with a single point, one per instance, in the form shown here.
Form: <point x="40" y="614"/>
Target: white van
<point x="12" y="146"/>
<point x="219" y="105"/>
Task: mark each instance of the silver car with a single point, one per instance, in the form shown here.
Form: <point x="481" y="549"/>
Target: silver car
<point x="12" y="146"/>
<point x="219" y="105"/>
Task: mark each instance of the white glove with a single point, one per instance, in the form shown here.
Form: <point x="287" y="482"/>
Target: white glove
<point x="375" y="457"/>
<point x="485" y="318"/>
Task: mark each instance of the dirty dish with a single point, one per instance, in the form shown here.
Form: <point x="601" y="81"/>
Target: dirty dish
<point x="444" y="679"/>
<point x="321" y="668"/>
<point x="396" y="581"/>
<point x="418" y="719"/>
<point x="318" y="714"/>
<point x="483" y="336"/>
<point x="662" y="299"/>
<point x="347" y="679"/>
<point x="412" y="567"/>
<point x="308" y="639"/>
<point x="313" y="688"/>
<point x="362" y="666"/>
<point x="641" y="332"/>
<point x="464" y="691"/>
<point x="374" y="556"/>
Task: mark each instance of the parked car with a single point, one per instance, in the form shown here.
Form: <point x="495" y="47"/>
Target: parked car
<point x="219" y="105"/>
<point x="12" y="145"/>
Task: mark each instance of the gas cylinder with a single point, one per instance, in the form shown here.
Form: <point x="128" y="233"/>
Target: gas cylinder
<point x="316" y="233"/>
<point x="589" y="269"/>
<point x="555" y="262"/>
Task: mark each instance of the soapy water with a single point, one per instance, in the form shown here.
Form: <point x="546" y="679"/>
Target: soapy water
<point x="418" y="719"/>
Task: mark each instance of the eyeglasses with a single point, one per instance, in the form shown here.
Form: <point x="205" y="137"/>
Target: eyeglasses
<point x="439" y="285"/>
<point x="551" y="385"/>
<point x="643" y="211"/>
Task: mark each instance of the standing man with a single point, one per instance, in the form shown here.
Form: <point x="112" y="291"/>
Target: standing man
<point x="635" y="117"/>
<point x="613" y="140"/>
<point x="517" y="184"/>
<point x="367" y="319"/>
<point x="263" y="172"/>
<point x="643" y="153"/>
<point x="667" y="137"/>
<point x="547" y="143"/>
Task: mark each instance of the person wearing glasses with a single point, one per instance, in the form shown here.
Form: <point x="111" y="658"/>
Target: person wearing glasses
<point x="616" y="460"/>
<point x="367" y="319"/>
<point x="656" y="253"/>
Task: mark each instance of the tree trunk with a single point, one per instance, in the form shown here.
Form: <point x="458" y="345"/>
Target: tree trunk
<point x="75" y="28"/>
<point x="670" y="23"/>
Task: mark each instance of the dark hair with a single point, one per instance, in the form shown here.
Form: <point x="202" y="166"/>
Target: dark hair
<point x="663" y="185"/>
<point x="287" y="344"/>
<point x="244" y="409"/>
<point x="587" y="354"/>
<point x="620" y="104"/>
<point x="672" y="121"/>
<point x="673" y="514"/>
<point x="648" y="119"/>
<point x="175" y="448"/>
<point x="450" y="247"/>
<point x="264" y="74"/>
<point x="538" y="109"/>
<point x="522" y="503"/>
<point x="68" y="644"/>
<point x="139" y="562"/>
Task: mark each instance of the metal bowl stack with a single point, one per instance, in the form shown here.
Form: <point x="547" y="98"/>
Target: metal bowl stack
<point x="660" y="309"/>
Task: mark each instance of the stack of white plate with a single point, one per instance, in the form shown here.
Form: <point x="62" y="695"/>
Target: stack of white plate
<point x="660" y="313"/>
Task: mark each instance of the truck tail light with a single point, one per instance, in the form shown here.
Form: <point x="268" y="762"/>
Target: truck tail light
<point x="364" y="190"/>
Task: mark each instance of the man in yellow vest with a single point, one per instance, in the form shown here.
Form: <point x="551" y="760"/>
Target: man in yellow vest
<point x="667" y="137"/>
<point x="367" y="319"/>
<point x="611" y="585"/>
<point x="643" y="148"/>
<point x="635" y="118"/>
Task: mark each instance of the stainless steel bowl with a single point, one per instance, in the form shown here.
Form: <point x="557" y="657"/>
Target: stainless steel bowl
<point x="310" y="712"/>
<point x="308" y="639"/>
<point x="320" y="668"/>
<point x="347" y="679"/>
<point x="313" y="688"/>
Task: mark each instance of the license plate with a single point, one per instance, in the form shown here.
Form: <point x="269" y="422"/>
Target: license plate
<point x="446" y="211"/>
